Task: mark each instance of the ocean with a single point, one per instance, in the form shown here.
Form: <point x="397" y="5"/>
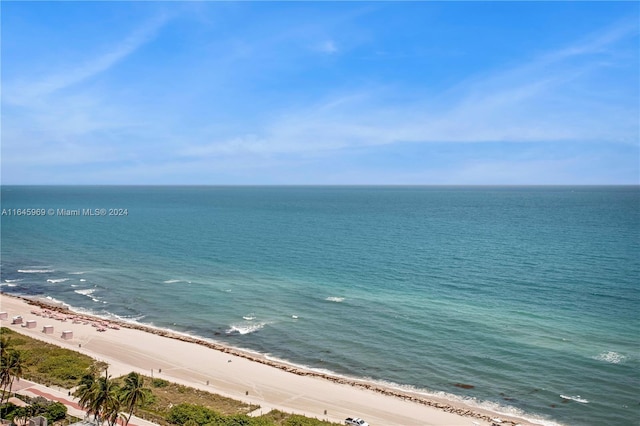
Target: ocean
<point x="521" y="299"/>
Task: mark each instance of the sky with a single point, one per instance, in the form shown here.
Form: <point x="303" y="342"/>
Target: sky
<point x="313" y="93"/>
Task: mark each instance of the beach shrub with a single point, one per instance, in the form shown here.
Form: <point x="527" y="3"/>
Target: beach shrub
<point x="276" y="417"/>
<point x="16" y="339"/>
<point x="159" y="383"/>
<point x="237" y="420"/>
<point x="52" y="411"/>
<point x="7" y="410"/>
<point x="149" y="402"/>
<point x="192" y="415"/>
<point x="61" y="367"/>
<point x="17" y="413"/>
<point x="163" y="398"/>
<point x="55" y="411"/>
<point x="182" y="413"/>
<point x="46" y="363"/>
<point x="297" y="420"/>
<point x="240" y="420"/>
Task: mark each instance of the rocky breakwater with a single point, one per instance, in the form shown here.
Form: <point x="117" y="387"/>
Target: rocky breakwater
<point x="407" y="396"/>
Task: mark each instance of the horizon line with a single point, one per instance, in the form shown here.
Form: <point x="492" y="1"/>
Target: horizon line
<point x="329" y="185"/>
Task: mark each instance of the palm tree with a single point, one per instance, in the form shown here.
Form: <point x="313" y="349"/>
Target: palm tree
<point x="133" y="393"/>
<point x="98" y="395"/>
<point x="84" y="392"/>
<point x="111" y="410"/>
<point x="11" y="370"/>
<point x="105" y="398"/>
<point x="5" y="375"/>
<point x="5" y="344"/>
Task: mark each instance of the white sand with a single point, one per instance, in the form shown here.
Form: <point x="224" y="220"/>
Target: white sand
<point x="235" y="373"/>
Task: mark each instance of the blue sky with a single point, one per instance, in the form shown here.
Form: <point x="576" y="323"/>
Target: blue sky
<point x="320" y="93"/>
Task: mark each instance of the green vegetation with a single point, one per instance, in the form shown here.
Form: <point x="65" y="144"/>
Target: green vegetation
<point x="195" y="415"/>
<point x="45" y="363"/>
<point x="276" y="417"/>
<point x="190" y="413"/>
<point x="159" y="383"/>
<point x="39" y="406"/>
<point x="11" y="365"/>
<point x="173" y="404"/>
<point x="133" y="393"/>
<point x="165" y="395"/>
<point x="105" y="399"/>
<point x="108" y="399"/>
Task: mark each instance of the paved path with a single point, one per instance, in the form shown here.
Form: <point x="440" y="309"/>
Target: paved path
<point x="28" y="388"/>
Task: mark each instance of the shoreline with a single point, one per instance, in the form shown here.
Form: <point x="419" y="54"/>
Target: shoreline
<point x="464" y="413"/>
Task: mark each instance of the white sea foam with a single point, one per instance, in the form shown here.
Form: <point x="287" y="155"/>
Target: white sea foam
<point x="335" y="299"/>
<point x="171" y="281"/>
<point x="576" y="398"/>
<point x="35" y="271"/>
<point x="131" y="319"/>
<point x="50" y="299"/>
<point x="495" y="408"/>
<point x="249" y="317"/>
<point x="611" y="357"/>
<point x="88" y="292"/>
<point x="82" y="280"/>
<point x="77" y="273"/>
<point x="58" y="280"/>
<point x="134" y="318"/>
<point x="13" y="281"/>
<point x="245" y="328"/>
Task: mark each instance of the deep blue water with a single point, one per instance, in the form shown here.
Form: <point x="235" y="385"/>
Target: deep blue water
<point x="525" y="293"/>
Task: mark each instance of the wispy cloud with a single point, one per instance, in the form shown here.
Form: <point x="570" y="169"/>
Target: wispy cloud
<point x="28" y="92"/>
<point x="327" y="46"/>
<point x="545" y="99"/>
<point x="597" y="42"/>
<point x="60" y="121"/>
<point x="231" y="114"/>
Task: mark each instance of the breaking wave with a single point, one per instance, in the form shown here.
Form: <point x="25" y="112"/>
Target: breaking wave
<point x="89" y="293"/>
<point x="334" y="299"/>
<point x="58" y="280"/>
<point x="242" y="329"/>
<point x="576" y="398"/>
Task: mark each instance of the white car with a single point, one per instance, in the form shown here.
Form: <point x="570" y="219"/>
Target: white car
<point x="355" y="421"/>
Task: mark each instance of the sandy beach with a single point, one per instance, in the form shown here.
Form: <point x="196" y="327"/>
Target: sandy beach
<point x="238" y="374"/>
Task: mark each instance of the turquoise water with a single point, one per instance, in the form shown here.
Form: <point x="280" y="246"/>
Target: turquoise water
<point x="525" y="293"/>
